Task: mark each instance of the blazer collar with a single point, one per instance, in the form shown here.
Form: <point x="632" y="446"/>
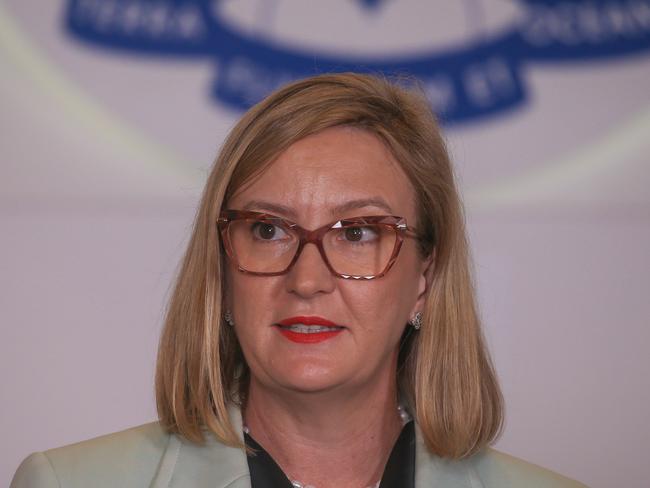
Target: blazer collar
<point x="215" y="465"/>
<point x="211" y="465"/>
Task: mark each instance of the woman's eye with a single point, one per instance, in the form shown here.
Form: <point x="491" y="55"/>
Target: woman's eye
<point x="360" y="234"/>
<point x="267" y="232"/>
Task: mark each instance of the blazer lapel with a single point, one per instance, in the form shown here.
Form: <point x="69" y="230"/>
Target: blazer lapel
<point x="211" y="465"/>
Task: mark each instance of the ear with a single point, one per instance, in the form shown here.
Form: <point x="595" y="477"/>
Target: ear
<point x="425" y="279"/>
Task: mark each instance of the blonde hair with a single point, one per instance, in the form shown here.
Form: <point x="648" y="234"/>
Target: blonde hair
<point x="444" y="372"/>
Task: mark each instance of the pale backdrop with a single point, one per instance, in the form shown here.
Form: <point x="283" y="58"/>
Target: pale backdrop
<point x="104" y="151"/>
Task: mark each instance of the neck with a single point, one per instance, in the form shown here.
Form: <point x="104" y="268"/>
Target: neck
<point x="340" y="438"/>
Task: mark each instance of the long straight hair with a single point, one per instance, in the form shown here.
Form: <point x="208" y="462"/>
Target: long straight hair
<point x="445" y="372"/>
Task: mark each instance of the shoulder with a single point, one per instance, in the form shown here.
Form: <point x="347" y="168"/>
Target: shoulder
<point x="488" y="468"/>
<point x="497" y="469"/>
<point x="127" y="458"/>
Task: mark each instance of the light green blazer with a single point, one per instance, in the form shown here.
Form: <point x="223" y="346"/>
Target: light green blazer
<point x="148" y="456"/>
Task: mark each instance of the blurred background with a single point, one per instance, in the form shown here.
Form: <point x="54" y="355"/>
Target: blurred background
<point x="113" y="110"/>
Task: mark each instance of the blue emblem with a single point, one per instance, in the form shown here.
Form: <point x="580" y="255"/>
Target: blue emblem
<point x="370" y="4"/>
<point x="570" y="30"/>
<point x="477" y="79"/>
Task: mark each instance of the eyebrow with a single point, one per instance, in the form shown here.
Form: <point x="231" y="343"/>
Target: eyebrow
<point x="283" y="210"/>
<point x="363" y="202"/>
<point x="274" y="208"/>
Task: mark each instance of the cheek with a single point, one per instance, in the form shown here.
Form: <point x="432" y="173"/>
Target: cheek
<point x="244" y="291"/>
<point x="383" y="303"/>
<point x="251" y="301"/>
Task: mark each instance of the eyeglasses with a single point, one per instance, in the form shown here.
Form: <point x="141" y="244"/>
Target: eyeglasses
<point x="360" y="248"/>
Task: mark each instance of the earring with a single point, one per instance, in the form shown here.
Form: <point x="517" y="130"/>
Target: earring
<point x="228" y="318"/>
<point x="416" y="321"/>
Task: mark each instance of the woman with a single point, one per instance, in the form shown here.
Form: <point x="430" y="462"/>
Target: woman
<point x="323" y="330"/>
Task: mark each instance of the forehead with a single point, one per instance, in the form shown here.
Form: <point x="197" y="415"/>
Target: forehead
<point x="327" y="174"/>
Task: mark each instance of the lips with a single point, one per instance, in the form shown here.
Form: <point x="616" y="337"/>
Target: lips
<point x="308" y="330"/>
<point x="311" y="320"/>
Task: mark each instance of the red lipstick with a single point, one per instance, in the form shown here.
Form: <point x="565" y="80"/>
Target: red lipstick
<point x="301" y="334"/>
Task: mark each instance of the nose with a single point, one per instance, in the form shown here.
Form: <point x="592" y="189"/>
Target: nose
<point x="309" y="275"/>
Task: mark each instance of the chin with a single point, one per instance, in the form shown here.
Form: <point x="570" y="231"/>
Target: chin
<point x="311" y="379"/>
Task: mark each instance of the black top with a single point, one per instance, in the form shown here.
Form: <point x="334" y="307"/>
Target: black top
<point x="398" y="473"/>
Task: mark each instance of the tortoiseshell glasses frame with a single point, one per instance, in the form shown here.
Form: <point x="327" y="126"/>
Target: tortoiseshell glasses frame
<point x="392" y="223"/>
